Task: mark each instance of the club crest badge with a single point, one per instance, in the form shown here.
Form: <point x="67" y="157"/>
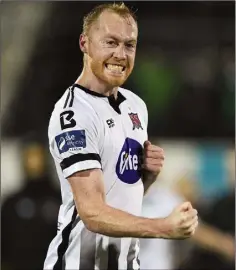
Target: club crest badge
<point x="135" y="120"/>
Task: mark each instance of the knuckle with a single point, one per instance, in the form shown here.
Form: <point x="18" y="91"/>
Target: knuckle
<point x="187" y="226"/>
<point x="186" y="234"/>
<point x="189" y="231"/>
<point x="159" y="164"/>
<point x="182" y="220"/>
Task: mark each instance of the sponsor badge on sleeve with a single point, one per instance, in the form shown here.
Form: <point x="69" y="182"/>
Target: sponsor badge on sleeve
<point x="71" y="141"/>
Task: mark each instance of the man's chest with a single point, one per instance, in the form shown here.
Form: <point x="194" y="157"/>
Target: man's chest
<point x="123" y="136"/>
<point x="129" y="125"/>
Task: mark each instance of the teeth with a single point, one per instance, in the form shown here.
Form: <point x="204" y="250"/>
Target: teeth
<point x="114" y="68"/>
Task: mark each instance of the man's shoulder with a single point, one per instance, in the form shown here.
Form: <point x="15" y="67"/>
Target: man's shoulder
<point x="132" y="96"/>
<point x="72" y="110"/>
<point x="72" y="101"/>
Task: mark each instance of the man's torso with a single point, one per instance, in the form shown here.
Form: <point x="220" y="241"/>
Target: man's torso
<point x="120" y="133"/>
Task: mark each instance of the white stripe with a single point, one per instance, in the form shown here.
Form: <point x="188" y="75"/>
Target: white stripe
<point x="52" y="255"/>
<point x="135" y="261"/>
<point x="80" y="166"/>
<point x="124" y="249"/>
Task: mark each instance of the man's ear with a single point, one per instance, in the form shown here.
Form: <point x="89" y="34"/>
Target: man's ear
<point x="83" y="43"/>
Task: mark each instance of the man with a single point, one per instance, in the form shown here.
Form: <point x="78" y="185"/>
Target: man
<point x="98" y="139"/>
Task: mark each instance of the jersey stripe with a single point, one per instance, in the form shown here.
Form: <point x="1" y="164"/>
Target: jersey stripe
<point x="113" y="255"/>
<point x="132" y="258"/>
<point x="101" y="255"/>
<point x="67" y="162"/>
<point x="76" y="221"/>
<point x="67" y="99"/>
<point x="72" y="96"/>
<point x="64" y="243"/>
<point x="87" y="255"/>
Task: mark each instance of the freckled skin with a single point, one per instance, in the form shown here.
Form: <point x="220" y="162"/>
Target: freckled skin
<point x="111" y="40"/>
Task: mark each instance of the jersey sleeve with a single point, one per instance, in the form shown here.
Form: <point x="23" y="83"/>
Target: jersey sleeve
<point x="145" y="114"/>
<point x="145" y="110"/>
<point x="74" y="140"/>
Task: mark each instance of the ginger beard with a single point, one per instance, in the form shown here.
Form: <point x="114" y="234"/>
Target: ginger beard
<point x="112" y="73"/>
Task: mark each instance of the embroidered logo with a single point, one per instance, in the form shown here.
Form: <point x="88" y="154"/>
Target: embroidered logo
<point x="110" y="123"/>
<point x="135" y="120"/>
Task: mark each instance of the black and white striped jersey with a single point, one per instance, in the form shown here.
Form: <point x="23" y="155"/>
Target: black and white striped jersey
<point x="89" y="130"/>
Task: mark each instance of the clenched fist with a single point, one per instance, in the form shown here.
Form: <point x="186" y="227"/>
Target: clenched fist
<point x="182" y="222"/>
<point x="153" y="158"/>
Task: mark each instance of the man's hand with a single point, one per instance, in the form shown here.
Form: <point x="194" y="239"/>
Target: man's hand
<point x="153" y="158"/>
<point x="182" y="222"/>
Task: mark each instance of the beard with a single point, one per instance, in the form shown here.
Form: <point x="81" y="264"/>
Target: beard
<point x="100" y="71"/>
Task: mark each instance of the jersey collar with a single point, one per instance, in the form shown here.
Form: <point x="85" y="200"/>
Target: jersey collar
<point x="115" y="103"/>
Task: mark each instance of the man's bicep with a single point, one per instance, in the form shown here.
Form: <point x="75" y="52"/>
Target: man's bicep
<point x="88" y="191"/>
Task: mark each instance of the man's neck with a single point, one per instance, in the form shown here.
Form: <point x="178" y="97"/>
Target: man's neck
<point x="95" y="85"/>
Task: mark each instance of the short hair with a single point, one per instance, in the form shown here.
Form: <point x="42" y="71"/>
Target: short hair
<point x="118" y="8"/>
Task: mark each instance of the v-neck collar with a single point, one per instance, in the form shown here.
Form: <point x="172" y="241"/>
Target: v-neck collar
<point x="114" y="103"/>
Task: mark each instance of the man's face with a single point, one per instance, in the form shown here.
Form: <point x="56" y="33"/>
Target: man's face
<point x="112" y="48"/>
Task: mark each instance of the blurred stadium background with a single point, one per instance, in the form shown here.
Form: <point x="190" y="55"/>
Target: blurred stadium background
<point x="185" y="72"/>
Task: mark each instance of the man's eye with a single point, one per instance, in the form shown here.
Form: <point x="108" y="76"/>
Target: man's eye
<point x="130" y="45"/>
<point x="111" y="42"/>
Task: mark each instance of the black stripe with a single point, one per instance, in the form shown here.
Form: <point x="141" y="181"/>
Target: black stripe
<point x="72" y="97"/>
<point x="87" y="250"/>
<point x="64" y="243"/>
<point x="120" y="97"/>
<point x="67" y="98"/>
<point x="88" y="91"/>
<point x="67" y="162"/>
<point x="113" y="256"/>
<point x="76" y="221"/>
<point x="114" y="102"/>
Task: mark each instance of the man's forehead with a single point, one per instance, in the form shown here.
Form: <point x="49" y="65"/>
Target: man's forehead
<point x="110" y="22"/>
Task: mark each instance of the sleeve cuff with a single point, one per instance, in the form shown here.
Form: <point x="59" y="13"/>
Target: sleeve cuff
<point x="81" y="166"/>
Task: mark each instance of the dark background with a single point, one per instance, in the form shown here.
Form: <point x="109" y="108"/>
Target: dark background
<point x="184" y="67"/>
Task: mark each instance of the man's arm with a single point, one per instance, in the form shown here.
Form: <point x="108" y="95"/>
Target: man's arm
<point x="214" y="240"/>
<point x="88" y="190"/>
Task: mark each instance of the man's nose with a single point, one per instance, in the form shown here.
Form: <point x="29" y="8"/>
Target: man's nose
<point x="120" y="53"/>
